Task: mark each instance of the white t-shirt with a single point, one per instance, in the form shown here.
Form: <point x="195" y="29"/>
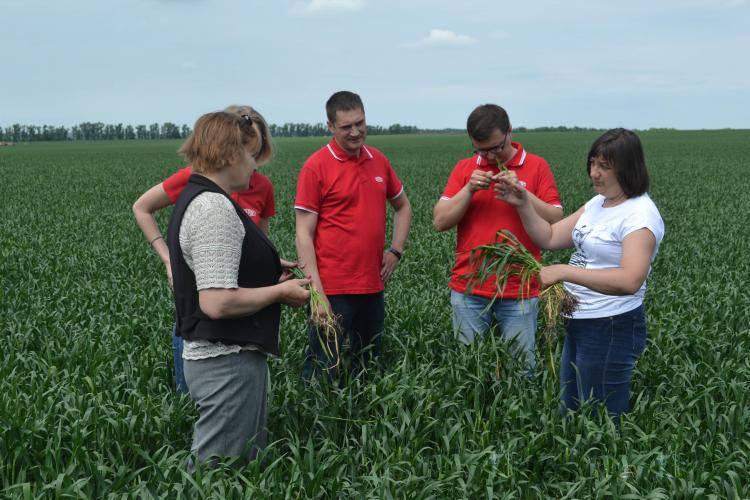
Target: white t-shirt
<point x="598" y="236"/>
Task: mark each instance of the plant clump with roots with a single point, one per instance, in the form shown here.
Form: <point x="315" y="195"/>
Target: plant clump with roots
<point x="507" y="258"/>
<point x="324" y="321"/>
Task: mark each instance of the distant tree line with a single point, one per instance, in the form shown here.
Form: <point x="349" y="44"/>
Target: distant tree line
<point x="559" y="128"/>
<point x="320" y="129"/>
<point x="92" y="131"/>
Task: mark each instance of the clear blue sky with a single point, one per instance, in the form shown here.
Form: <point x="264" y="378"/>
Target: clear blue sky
<point x="635" y="63"/>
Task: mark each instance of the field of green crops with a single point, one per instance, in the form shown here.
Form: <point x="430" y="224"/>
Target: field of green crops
<point x="86" y="401"/>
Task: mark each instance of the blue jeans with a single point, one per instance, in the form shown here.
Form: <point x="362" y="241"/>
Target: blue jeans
<point x="516" y="318"/>
<point x="360" y="318"/>
<point x="598" y="359"/>
<point x="179" y="373"/>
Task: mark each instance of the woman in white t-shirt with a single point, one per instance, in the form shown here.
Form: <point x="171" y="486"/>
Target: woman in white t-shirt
<point x="616" y="235"/>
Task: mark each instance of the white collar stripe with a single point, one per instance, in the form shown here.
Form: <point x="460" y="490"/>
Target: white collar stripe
<point x="333" y="153"/>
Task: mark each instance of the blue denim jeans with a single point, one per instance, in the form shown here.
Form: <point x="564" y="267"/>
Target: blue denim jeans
<point x="360" y="318"/>
<point x="179" y="373"/>
<point x="598" y="359"/>
<point x="517" y="320"/>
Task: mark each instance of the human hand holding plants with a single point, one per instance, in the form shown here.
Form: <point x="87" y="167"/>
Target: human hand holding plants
<point x="549" y="275"/>
<point x="505" y="258"/>
<point x="321" y="315"/>
<point x="294" y="292"/>
<point x="479" y="181"/>
<point x="320" y="308"/>
<point x="509" y="189"/>
<point x="286" y="269"/>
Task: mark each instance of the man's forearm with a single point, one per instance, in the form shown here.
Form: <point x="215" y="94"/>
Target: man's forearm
<point x="306" y="254"/>
<point x="401" y="226"/>
<point x="448" y="213"/>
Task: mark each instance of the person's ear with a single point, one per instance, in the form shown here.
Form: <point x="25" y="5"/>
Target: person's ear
<point x="231" y="158"/>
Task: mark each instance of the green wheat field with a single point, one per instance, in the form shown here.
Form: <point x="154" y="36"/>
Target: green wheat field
<point x="87" y="408"/>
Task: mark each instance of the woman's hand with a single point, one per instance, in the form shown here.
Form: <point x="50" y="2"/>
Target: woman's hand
<point x="286" y="269"/>
<point x="509" y="189"/>
<point x="552" y="274"/>
<point x="294" y="292"/>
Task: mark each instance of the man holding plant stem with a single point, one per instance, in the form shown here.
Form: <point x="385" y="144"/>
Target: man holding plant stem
<point x="341" y="220"/>
<point x="469" y="203"/>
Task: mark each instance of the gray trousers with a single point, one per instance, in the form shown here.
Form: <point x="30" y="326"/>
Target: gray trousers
<point x="230" y="392"/>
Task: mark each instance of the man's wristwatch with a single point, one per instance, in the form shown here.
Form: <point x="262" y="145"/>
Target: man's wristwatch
<point x="395" y="252"/>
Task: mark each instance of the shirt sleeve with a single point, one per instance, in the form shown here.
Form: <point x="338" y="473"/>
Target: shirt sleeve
<point x="211" y="238"/>
<point x="456" y="182"/>
<point x="546" y="189"/>
<point x="395" y="187"/>
<point x="308" y="188"/>
<point x="647" y="216"/>
<point x="175" y="183"/>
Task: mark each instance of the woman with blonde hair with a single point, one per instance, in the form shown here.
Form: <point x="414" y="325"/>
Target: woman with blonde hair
<point x="257" y="200"/>
<point x="228" y="286"/>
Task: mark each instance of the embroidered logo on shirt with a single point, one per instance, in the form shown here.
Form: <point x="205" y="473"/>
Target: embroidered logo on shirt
<point x="378" y="179"/>
<point x="250" y="212"/>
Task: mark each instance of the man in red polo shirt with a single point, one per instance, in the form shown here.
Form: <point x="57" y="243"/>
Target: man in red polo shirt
<point x="341" y="218"/>
<point x="469" y="203"/>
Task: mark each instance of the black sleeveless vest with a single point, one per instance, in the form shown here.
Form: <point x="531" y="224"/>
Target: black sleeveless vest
<point x="259" y="267"/>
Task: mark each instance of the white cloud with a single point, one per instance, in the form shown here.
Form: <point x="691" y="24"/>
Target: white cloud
<point x="320" y="7"/>
<point x="445" y="38"/>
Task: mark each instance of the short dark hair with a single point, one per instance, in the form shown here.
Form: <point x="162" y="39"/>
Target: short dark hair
<point x="622" y="149"/>
<point x="485" y="119"/>
<point x="342" y="100"/>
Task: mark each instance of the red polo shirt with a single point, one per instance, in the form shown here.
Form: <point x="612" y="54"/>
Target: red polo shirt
<point x="349" y="195"/>
<point x="257" y="200"/>
<point x="486" y="215"/>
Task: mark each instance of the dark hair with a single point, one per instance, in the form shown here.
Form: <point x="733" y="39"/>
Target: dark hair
<point x="485" y="119"/>
<point x="342" y="100"/>
<point x="622" y="149"/>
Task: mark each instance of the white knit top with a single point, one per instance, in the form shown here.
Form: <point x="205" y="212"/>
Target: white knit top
<point x="211" y="235"/>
